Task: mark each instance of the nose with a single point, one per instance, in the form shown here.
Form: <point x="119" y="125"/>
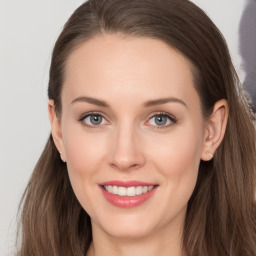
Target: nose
<point x="126" y="150"/>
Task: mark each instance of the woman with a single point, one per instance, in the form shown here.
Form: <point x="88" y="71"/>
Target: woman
<point x="152" y="150"/>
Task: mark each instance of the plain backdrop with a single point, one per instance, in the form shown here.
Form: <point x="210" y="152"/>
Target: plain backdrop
<point x="28" y="30"/>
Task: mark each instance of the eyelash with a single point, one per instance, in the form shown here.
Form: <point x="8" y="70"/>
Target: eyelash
<point x="171" y="118"/>
<point x="84" y="116"/>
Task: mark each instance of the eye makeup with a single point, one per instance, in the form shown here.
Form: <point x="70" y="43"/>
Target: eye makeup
<point x="96" y="120"/>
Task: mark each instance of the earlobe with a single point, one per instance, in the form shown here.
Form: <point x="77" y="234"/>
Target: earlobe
<point x="56" y="129"/>
<point x="215" y="129"/>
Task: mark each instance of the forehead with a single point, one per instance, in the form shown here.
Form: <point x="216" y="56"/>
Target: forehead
<point x="111" y="64"/>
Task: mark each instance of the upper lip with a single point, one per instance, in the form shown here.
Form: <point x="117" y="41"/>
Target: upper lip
<point x="131" y="183"/>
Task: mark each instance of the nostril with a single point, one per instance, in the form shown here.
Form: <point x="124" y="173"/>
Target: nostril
<point x="125" y="166"/>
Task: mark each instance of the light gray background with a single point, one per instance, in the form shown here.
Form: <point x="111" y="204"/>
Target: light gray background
<point x="28" y="30"/>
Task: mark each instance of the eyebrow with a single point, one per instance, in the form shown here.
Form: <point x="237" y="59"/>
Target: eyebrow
<point x="150" y="103"/>
<point x="93" y="101"/>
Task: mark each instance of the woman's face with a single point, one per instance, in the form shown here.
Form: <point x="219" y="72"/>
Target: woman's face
<point x="132" y="134"/>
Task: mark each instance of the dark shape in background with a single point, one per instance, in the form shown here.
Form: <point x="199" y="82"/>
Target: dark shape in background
<point x="247" y="46"/>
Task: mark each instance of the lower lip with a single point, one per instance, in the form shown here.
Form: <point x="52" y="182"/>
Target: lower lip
<point x="127" y="201"/>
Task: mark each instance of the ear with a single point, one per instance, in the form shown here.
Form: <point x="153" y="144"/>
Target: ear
<point x="56" y="129"/>
<point x="215" y="128"/>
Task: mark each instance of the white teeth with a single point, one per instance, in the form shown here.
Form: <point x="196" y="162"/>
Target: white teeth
<point x="110" y="189"/>
<point x="114" y="190"/>
<point x="122" y="191"/>
<point x="144" y="189"/>
<point x="138" y="190"/>
<point x="129" y="191"/>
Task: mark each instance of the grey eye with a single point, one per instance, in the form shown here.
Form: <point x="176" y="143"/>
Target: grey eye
<point x="93" y="119"/>
<point x="160" y="120"/>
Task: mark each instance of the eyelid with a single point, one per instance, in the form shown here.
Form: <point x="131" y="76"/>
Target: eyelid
<point x="172" y="119"/>
<point x="85" y="115"/>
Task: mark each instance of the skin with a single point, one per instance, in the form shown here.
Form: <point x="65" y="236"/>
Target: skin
<point x="129" y="145"/>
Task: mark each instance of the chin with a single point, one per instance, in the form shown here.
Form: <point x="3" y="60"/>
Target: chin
<point x="130" y="231"/>
<point x="127" y="225"/>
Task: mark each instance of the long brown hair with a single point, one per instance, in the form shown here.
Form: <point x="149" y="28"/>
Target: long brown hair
<point x="220" y="218"/>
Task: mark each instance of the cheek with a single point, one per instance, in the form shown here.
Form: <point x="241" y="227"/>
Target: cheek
<point x="83" y="150"/>
<point x="177" y="159"/>
<point x="179" y="152"/>
<point x="83" y="154"/>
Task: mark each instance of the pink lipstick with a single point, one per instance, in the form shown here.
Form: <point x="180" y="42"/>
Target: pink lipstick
<point x="127" y="194"/>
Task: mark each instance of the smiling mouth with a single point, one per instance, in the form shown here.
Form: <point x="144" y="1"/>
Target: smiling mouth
<point x="127" y="194"/>
<point x="128" y="191"/>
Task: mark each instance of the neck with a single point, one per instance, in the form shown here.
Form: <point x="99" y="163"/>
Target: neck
<point x="164" y="243"/>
